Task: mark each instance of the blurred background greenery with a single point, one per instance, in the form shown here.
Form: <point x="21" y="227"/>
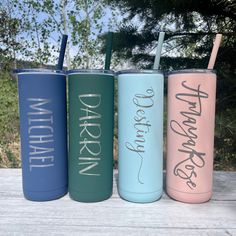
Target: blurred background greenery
<point x="30" y="32"/>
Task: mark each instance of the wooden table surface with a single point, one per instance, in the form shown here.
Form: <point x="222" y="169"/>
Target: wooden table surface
<point x="116" y="216"/>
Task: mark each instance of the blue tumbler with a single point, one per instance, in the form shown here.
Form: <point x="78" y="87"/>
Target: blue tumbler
<point x="43" y="133"/>
<point x="140" y="135"/>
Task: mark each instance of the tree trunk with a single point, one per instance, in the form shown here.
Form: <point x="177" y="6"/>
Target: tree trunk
<point x="87" y="35"/>
<point x="14" y="57"/>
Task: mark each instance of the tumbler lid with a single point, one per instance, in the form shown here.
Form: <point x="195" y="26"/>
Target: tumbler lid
<point x="90" y="71"/>
<point x="135" y="71"/>
<point x="38" y="71"/>
<point x="185" y="71"/>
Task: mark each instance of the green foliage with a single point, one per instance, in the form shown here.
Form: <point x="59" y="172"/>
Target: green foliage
<point x="9" y="29"/>
<point x="9" y="122"/>
<point x="86" y="23"/>
<point x="190" y="27"/>
<point x="32" y="30"/>
<point x="9" y="108"/>
<point x="225" y="141"/>
<point x="14" y="162"/>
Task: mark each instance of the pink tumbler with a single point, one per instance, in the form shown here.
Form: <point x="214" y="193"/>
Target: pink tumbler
<point x="190" y="135"/>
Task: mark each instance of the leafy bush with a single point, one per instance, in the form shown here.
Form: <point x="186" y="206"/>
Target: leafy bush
<point x="9" y="122"/>
<point x="225" y="140"/>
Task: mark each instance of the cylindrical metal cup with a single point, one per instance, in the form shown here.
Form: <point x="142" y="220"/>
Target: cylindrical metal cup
<point x="190" y="135"/>
<point x="140" y="129"/>
<point x="91" y="120"/>
<point x="42" y="104"/>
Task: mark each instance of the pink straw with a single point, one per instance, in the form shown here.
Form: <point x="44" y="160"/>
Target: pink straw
<point x="214" y="51"/>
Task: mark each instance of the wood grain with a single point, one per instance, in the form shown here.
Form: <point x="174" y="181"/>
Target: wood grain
<point x="116" y="216"/>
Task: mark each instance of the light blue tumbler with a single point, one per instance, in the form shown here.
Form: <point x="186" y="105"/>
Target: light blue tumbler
<point x="140" y="132"/>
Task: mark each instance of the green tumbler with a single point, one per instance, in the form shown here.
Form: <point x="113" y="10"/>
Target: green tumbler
<point x="91" y="121"/>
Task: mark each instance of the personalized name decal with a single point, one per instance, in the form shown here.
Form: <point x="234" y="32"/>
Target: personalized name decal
<point x="187" y="129"/>
<point x="90" y="133"/>
<point x="141" y="125"/>
<point x="40" y="131"/>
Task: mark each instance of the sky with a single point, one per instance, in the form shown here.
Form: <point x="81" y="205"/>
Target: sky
<point x="30" y="37"/>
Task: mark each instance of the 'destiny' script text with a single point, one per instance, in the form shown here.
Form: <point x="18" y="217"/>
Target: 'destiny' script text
<point x="141" y="125"/>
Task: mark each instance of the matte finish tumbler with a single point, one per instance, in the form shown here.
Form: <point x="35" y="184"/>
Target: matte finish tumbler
<point x="91" y="120"/>
<point x="42" y="104"/>
<point x="140" y="129"/>
<point x="190" y="135"/>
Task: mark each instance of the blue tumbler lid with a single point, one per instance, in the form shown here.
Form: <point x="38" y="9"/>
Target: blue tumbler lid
<point x="38" y="71"/>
